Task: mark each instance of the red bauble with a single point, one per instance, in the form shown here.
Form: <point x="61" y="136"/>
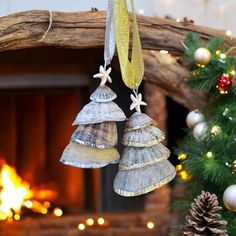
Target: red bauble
<point x="224" y="83"/>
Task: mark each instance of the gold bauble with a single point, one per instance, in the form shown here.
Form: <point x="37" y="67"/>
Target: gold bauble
<point x="202" y="57"/>
<point x="233" y="167"/>
<point x="216" y="130"/>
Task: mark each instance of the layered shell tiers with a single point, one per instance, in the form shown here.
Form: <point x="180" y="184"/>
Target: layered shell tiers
<point x="144" y="165"/>
<point x="93" y="143"/>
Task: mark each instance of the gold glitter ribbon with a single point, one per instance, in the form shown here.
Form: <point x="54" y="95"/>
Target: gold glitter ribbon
<point x="132" y="70"/>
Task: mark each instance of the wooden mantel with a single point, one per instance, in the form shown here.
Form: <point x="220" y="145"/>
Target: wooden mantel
<point x="85" y="30"/>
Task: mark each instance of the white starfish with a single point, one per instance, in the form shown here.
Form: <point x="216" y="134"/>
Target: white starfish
<point x="104" y="75"/>
<point x="137" y="102"/>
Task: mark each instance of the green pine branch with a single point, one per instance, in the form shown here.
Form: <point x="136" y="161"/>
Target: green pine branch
<point x="211" y="172"/>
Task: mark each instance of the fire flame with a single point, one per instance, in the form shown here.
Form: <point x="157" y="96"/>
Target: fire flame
<point x="16" y="193"/>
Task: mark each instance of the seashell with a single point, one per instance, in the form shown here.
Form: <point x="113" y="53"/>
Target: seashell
<point x="95" y="112"/>
<point x="103" y="94"/>
<point x="133" y="157"/>
<point x="102" y="135"/>
<point x="157" y="132"/>
<point x="140" y="138"/>
<point x="138" y="120"/>
<point x="88" y="157"/>
<point x="130" y="183"/>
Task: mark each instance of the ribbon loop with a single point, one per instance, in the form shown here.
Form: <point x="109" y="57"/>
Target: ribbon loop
<point x="110" y="41"/>
<point x="132" y="71"/>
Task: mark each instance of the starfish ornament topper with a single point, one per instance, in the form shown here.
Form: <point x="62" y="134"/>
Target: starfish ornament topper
<point x="137" y="102"/>
<point x="104" y="75"/>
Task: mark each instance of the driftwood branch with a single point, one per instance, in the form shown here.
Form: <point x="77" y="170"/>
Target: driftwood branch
<point x="84" y="30"/>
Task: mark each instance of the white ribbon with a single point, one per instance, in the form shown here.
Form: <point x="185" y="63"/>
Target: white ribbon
<point x="110" y="41"/>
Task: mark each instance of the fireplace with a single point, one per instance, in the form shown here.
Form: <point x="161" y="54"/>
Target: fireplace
<point x="42" y="90"/>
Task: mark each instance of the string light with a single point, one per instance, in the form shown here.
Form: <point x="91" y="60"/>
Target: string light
<point x="227" y="164"/>
<point x="47" y="204"/>
<point x="101" y="221"/>
<point x="233" y="72"/>
<point x="222" y="56"/>
<point x="222" y="91"/>
<point x="164" y="52"/>
<point x="10" y="215"/>
<point x="17" y="217"/>
<point x="3" y="217"/>
<point x="182" y="157"/>
<point x="209" y="155"/>
<point x="29" y="204"/>
<point x="140" y="11"/>
<point x="44" y="211"/>
<point x="184" y="175"/>
<point x="81" y="226"/>
<point x="201" y="66"/>
<point x="90" y="221"/>
<point x="228" y="33"/>
<point x="226" y="112"/>
<point x="150" y="225"/>
<point x="58" y="212"/>
<point x="179" y="167"/>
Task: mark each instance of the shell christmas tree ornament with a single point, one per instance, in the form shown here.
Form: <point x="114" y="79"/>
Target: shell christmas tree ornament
<point x="92" y="144"/>
<point x="144" y="165"/>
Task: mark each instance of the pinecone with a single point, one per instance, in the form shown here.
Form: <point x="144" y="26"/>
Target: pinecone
<point x="204" y="218"/>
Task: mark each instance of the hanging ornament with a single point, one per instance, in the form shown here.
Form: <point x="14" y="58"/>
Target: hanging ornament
<point x="224" y="84"/>
<point x="229" y="198"/>
<point x="233" y="167"/>
<point x="93" y="143"/>
<point x="144" y="165"/>
<point x="202" y="57"/>
<point x="200" y="130"/>
<point x="194" y="117"/>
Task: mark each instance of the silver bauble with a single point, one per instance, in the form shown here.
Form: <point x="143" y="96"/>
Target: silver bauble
<point x="202" y="56"/>
<point x="229" y="198"/>
<point x="194" y="117"/>
<point x="200" y="130"/>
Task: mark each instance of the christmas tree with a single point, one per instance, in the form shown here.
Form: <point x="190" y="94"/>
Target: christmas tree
<point x="208" y="152"/>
